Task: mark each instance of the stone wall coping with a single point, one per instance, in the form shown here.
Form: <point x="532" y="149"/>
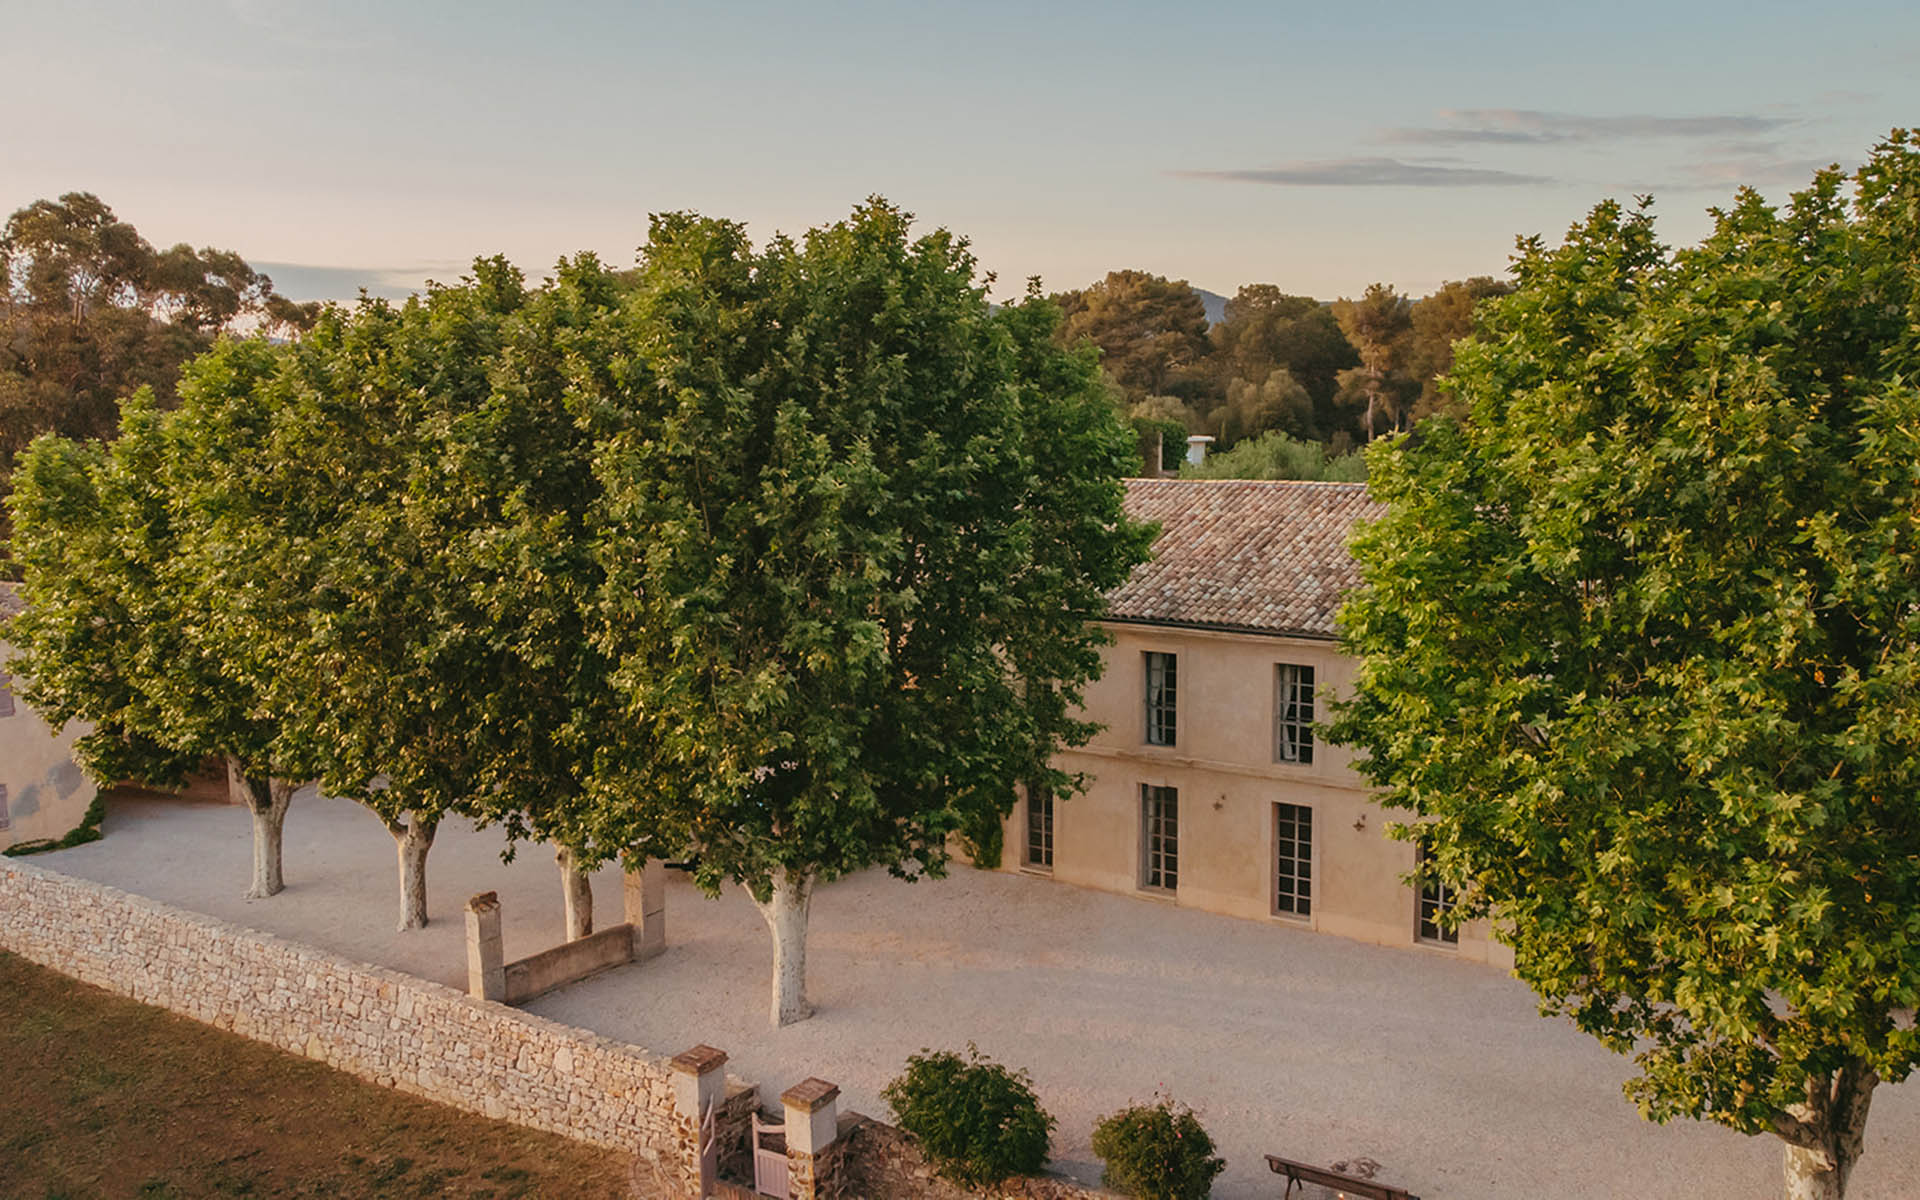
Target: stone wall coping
<point x="481" y="901"/>
<point x="699" y="1060"/>
<point x="811" y="1094"/>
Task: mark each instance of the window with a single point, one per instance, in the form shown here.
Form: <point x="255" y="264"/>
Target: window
<point x="1162" y="687"/>
<point x="1159" y="837"/>
<point x="1040" y="826"/>
<point x="1293" y="714"/>
<point x="1293" y="860"/>
<point x="6" y="814"/>
<point x="1436" y="899"/>
<point x="6" y="695"/>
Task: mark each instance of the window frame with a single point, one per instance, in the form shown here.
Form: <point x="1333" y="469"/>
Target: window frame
<point x="1309" y="861"/>
<point x="1044" y="829"/>
<point x="1292" y="732"/>
<point x="1432" y="900"/>
<point x="1161" y="694"/>
<point x="1159" y="839"/>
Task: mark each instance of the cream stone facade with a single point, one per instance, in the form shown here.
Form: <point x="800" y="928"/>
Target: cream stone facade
<point x="1250" y="833"/>
<point x="43" y="792"/>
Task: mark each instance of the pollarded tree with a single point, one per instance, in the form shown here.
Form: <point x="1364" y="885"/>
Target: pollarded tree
<point x="119" y="631"/>
<point x="1641" y="650"/>
<point x="855" y="524"/>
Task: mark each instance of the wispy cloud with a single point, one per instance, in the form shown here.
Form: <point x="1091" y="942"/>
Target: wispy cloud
<point x="1367" y="172"/>
<point x="1526" y="126"/>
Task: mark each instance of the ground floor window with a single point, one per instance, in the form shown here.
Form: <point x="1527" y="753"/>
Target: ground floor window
<point x="1159" y="837"/>
<point x="1040" y="826"/>
<point x="1293" y="860"/>
<point x="1435" y="899"/>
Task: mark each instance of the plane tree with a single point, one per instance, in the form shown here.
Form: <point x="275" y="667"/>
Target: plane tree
<point x="118" y="630"/>
<point x="1639" y="643"/>
<point x="853" y="525"/>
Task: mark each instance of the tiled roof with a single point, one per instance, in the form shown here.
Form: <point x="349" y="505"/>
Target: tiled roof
<point x="11" y="602"/>
<point x="1263" y="555"/>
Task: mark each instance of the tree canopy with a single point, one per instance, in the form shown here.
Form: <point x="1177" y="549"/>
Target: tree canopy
<point x="854" y="523"/>
<point x="90" y="311"/>
<point x="1640" y="649"/>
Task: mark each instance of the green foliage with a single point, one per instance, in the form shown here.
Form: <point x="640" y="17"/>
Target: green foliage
<point x="91" y="312"/>
<point x="88" y="830"/>
<point x="1157" y="1151"/>
<point x="1276" y="455"/>
<point x="1172" y="435"/>
<point x="977" y="1121"/>
<point x="853" y="523"/>
<point x="1640" y="645"/>
<point x="1151" y="331"/>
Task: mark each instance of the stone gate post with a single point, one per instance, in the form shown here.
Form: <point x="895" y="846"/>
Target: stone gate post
<point x="813" y="1154"/>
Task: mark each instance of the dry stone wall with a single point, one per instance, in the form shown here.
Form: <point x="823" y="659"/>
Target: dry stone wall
<point x="380" y="1025"/>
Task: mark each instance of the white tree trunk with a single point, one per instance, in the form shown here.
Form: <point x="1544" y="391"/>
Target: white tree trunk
<point x="266" y="800"/>
<point x="786" y="916"/>
<point x="1826" y="1134"/>
<point x="576" y="888"/>
<point x="413" y="839"/>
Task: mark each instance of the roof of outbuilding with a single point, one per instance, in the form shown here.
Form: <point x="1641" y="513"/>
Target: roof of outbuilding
<point x="1264" y="556"/>
<point x="12" y="603"/>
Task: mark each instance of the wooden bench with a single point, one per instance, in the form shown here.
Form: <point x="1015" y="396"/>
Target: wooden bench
<point x="1298" y="1173"/>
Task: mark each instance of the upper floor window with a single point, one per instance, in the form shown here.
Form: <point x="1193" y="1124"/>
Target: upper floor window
<point x="6" y="814"/>
<point x="1293" y="714"/>
<point x="1162" y="690"/>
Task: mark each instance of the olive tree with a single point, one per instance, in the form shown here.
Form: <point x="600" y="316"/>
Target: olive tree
<point x="1640" y="650"/>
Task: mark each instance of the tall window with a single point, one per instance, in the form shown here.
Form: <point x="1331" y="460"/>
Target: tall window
<point x="1293" y="714"/>
<point x="1162" y="689"/>
<point x="6" y="814"/>
<point x="1159" y="837"/>
<point x="6" y="695"/>
<point x="1435" y="899"/>
<point x="1293" y="860"/>
<point x="1039" y="826"/>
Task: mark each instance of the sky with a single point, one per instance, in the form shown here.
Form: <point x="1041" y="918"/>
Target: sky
<point x="1321" y="147"/>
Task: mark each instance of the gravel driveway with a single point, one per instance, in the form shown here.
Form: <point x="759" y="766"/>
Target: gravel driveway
<point x="1285" y="1041"/>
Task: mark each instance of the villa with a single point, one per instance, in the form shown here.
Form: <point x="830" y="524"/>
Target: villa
<point x="1209" y="786"/>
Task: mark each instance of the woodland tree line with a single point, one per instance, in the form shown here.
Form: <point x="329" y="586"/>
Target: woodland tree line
<point x="90" y="312"/>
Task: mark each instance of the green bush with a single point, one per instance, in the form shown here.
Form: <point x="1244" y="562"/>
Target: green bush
<point x="1157" y="1152"/>
<point x="977" y="1121"/>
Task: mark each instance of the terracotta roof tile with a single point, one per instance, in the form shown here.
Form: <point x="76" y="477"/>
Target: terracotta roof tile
<point x="1262" y="555"/>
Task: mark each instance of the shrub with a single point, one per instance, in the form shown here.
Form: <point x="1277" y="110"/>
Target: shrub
<point x="977" y="1121"/>
<point x="1157" y="1152"/>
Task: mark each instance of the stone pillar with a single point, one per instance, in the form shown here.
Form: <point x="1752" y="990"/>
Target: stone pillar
<point x="813" y="1156"/>
<point x="486" y="958"/>
<point x="699" y="1085"/>
<point x="644" y="895"/>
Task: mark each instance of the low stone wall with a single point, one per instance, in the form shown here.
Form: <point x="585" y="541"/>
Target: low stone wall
<point x="878" y="1159"/>
<point x="381" y="1025"/>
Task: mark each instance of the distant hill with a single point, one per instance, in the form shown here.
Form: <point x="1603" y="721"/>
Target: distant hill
<point x="1216" y="305"/>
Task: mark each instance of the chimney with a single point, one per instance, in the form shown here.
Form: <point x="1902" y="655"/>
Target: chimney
<point x="1197" y="449"/>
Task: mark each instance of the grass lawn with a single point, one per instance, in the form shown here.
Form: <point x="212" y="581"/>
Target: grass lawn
<point x="105" y="1097"/>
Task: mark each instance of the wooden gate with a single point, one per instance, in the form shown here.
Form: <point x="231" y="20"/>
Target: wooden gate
<point x="709" y="1151"/>
<point x="770" y="1159"/>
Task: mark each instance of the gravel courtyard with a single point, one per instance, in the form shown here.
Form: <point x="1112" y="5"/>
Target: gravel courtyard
<point x="1285" y="1041"/>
